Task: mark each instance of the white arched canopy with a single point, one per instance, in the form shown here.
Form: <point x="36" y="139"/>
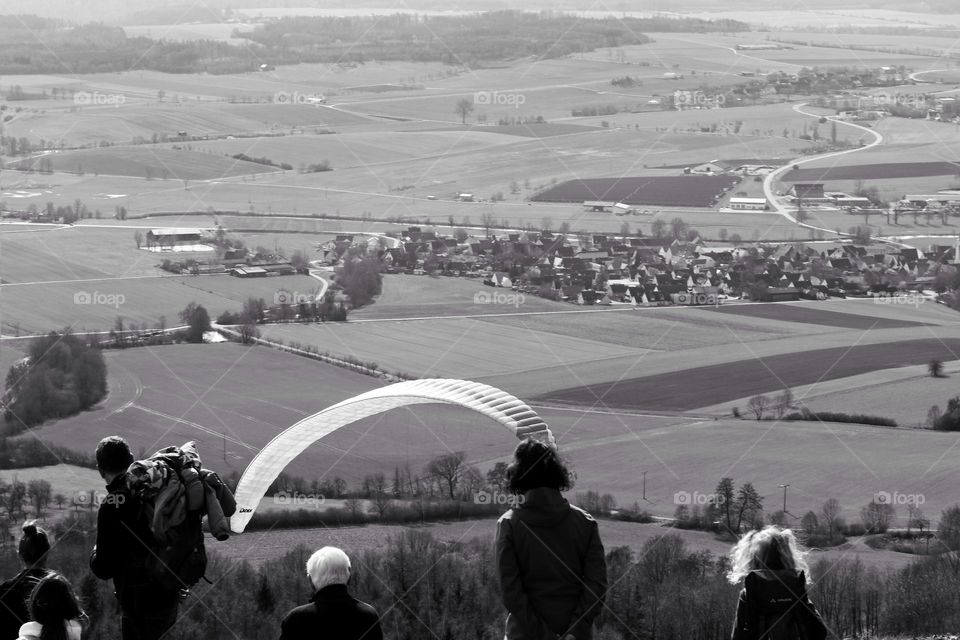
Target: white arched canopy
<point x="489" y="401"/>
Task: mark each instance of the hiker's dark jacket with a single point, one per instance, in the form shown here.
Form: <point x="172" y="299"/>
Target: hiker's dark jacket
<point x="553" y="576"/>
<point x="124" y="546"/>
<point x="774" y="605"/>
<point x="333" y="614"/>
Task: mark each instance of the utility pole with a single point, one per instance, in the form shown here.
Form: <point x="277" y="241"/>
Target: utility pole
<point x="784" y="487"/>
<point x="644" y="485"/>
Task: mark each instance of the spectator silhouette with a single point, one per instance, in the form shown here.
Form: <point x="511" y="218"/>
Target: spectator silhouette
<point x="124" y="546"/>
<point x="773" y="604"/>
<point x="333" y="612"/>
<point x="55" y="612"/>
<point x="553" y="575"/>
<point x="15" y="592"/>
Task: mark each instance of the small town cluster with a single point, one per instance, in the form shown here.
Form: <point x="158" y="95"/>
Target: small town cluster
<point x="607" y="269"/>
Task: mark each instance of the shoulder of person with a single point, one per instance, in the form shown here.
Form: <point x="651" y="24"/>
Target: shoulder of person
<point x="581" y="512"/>
<point x="299" y="613"/>
<point x="368" y="609"/>
<point x="508" y="515"/>
<point x="30" y="631"/>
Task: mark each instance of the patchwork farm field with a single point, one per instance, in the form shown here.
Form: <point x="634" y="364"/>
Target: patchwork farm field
<point x="234" y="399"/>
<point x="707" y="385"/>
<point x="874" y="171"/>
<point x="811" y="315"/>
<point x="676" y="191"/>
<point x="663" y="329"/>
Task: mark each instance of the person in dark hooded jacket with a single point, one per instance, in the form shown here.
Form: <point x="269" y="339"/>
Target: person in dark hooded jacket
<point x="773" y="604"/>
<point x="551" y="566"/>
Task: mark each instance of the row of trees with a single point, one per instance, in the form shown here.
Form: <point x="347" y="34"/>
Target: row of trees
<point x="426" y="588"/>
<point x="732" y="511"/>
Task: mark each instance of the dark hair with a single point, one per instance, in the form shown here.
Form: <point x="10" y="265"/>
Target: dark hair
<point x="52" y="604"/>
<point x="113" y="455"/>
<point x="34" y="545"/>
<point x="536" y="465"/>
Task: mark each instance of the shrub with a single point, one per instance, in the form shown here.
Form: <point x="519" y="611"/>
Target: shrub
<point x="833" y="416"/>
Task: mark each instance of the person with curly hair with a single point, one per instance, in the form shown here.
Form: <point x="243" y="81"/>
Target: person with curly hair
<point x="773" y="604"/>
<point x="553" y="576"/>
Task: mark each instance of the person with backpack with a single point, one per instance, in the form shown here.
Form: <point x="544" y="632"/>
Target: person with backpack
<point x="553" y="576"/>
<point x="125" y="551"/>
<point x="333" y="612"/>
<point x="773" y="604"/>
<point x="15" y="592"/>
<point x="55" y="612"/>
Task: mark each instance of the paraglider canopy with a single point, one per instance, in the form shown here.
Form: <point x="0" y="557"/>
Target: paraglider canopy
<point x="499" y="406"/>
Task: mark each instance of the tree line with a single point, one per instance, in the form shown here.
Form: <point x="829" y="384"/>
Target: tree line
<point x="428" y="588"/>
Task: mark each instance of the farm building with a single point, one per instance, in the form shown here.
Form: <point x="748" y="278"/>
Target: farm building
<point x="174" y="237"/>
<point x="710" y="167"/>
<point x="598" y="206"/>
<point x="808" y="191"/>
<point x="846" y="200"/>
<point x="248" y="272"/>
<point x="747" y="204"/>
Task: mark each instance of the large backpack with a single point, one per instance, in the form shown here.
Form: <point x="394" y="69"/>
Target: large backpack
<point x="169" y="483"/>
<point x="182" y="563"/>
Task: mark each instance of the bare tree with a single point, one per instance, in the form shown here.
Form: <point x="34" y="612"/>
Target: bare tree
<point x="463" y="109"/>
<point x="784" y="402"/>
<point x="447" y="468"/>
<point x="487" y="220"/>
<point x="382" y="502"/>
<point x="758" y="405"/>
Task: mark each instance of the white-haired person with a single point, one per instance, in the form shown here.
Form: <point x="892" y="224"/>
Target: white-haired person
<point x="774" y="604"/>
<point x="332" y="612"/>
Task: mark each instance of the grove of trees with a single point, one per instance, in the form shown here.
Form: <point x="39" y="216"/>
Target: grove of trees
<point x="60" y="377"/>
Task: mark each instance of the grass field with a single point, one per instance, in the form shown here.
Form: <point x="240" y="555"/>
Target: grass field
<point x="465" y="347"/>
<point x="148" y="162"/>
<point x="39" y="308"/>
<point x="360" y="149"/>
<point x="406" y="296"/>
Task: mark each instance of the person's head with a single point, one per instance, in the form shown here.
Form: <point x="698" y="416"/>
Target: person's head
<point x="770" y="548"/>
<point x="537" y="465"/>
<point x="327" y="566"/>
<point x="113" y="457"/>
<point x="33" y="546"/>
<point x="52" y="603"/>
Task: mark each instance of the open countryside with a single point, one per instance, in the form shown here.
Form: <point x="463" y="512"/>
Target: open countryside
<point x="713" y="248"/>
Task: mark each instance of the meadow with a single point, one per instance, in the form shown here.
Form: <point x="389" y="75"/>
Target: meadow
<point x="42" y="307"/>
